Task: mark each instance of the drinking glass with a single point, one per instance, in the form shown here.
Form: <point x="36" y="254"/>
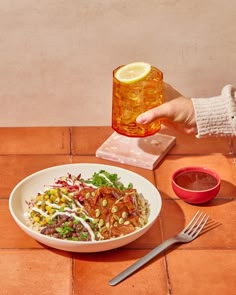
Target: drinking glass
<point x="130" y="100"/>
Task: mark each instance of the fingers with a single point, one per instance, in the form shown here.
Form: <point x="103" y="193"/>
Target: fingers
<point x="156" y="113"/>
<point x="166" y="110"/>
<point x="145" y="118"/>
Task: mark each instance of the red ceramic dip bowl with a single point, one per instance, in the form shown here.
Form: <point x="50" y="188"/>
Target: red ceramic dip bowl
<point x="196" y="185"/>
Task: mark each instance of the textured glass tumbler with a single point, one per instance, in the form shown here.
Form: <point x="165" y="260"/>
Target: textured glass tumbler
<point x="130" y="100"/>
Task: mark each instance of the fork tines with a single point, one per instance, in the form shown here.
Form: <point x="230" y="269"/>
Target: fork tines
<point x="197" y="223"/>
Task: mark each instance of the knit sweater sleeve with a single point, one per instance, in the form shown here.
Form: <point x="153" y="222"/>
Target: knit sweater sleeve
<point x="216" y="115"/>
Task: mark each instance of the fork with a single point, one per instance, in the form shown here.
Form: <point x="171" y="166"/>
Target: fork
<point x="189" y="233"/>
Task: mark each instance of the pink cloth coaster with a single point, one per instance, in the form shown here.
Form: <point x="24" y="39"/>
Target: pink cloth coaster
<point x="144" y="152"/>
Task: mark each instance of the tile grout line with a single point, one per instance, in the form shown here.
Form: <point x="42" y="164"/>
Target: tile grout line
<point x="70" y="145"/>
<point x="72" y="274"/>
<point x="70" y="136"/>
<point x="165" y="261"/>
<point x="167" y="275"/>
<point x="168" y="281"/>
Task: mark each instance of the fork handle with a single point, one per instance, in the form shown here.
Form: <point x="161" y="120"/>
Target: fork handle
<point x="139" y="263"/>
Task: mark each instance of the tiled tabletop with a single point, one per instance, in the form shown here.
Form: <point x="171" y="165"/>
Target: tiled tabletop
<point x="206" y="266"/>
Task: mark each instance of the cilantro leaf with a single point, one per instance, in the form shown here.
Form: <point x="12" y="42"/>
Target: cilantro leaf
<point x="104" y="178"/>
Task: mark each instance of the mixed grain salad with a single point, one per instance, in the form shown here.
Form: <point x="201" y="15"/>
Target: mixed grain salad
<point x="98" y="208"/>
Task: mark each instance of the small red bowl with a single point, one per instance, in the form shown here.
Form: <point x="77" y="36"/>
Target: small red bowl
<point x="196" y="185"/>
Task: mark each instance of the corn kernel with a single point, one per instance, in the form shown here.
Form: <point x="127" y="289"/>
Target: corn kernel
<point x="46" y="197"/>
<point x="36" y="218"/>
<point x="53" y="198"/>
<point x="48" y="208"/>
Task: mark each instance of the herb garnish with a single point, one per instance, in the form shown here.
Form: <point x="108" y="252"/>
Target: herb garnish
<point x="104" y="178"/>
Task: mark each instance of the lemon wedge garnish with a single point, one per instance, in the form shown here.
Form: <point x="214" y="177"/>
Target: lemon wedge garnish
<point x="133" y="72"/>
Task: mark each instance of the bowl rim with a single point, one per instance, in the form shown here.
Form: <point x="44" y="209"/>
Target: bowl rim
<point x="199" y="169"/>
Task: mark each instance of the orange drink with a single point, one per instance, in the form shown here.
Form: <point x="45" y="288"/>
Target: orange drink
<point x="137" y="87"/>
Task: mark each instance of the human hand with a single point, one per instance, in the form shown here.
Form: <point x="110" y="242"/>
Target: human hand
<point x="176" y="112"/>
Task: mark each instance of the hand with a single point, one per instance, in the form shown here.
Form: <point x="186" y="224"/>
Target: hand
<point x="176" y="112"/>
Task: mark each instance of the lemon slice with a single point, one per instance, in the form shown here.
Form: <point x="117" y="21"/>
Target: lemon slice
<point x="133" y="72"/>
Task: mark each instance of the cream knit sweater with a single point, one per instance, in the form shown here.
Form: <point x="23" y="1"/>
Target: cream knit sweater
<point x="216" y="115"/>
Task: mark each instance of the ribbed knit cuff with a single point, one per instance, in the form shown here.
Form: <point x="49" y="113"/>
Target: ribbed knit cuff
<point x="216" y="115"/>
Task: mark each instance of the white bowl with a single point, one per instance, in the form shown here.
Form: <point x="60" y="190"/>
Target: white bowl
<point x="29" y="187"/>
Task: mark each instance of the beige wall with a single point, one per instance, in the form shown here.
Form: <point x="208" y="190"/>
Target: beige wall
<point x="57" y="57"/>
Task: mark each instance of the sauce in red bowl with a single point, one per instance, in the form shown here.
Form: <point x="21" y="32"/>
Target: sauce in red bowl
<point x="196" y="185"/>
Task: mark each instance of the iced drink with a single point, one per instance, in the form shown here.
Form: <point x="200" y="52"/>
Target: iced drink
<point x="131" y="99"/>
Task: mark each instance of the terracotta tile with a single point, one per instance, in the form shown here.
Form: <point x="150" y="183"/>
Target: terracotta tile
<point x="86" y="140"/>
<point x="189" y="144"/>
<point x="198" y="272"/>
<point x="15" y="237"/>
<point x="27" y="272"/>
<point x="217" y="162"/>
<point x="35" y="140"/>
<point x="100" y="268"/>
<point x="14" y="168"/>
<point x="175" y="215"/>
<point x="204" y="266"/>
<point x="148" y="174"/>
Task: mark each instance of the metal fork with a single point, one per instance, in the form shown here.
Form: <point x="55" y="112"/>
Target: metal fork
<point x="189" y="233"/>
